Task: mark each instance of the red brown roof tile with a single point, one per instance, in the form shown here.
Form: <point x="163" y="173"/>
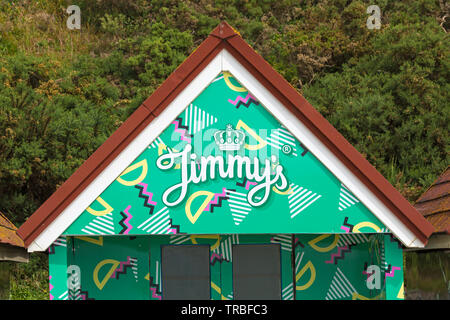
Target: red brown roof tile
<point x="8" y="233"/>
<point x="434" y="204"/>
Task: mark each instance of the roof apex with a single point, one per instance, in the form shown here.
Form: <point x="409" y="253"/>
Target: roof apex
<point x="224" y="31"/>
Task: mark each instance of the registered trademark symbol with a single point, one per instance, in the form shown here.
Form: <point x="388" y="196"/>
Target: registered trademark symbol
<point x="287" y="149"/>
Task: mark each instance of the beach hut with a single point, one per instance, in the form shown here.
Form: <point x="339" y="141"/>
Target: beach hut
<point x="226" y="184"/>
<point x="428" y="268"/>
<point x="12" y="249"/>
<point x="434" y="205"/>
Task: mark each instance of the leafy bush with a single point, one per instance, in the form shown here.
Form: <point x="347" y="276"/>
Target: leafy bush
<point x="29" y="281"/>
<point x="393" y="104"/>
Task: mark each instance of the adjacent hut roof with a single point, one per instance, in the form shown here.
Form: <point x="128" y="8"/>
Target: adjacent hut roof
<point x="434" y="204"/>
<point x="8" y="233"/>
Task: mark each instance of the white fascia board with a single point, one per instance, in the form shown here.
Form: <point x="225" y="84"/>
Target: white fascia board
<point x="319" y="150"/>
<point x="127" y="156"/>
<point x="224" y="61"/>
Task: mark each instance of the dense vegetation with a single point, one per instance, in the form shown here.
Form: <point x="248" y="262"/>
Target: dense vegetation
<point x="63" y="92"/>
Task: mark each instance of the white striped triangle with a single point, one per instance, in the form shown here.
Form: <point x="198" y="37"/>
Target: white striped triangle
<point x="346" y="198"/>
<point x="158" y="223"/>
<point x="351" y="239"/>
<point x="239" y="206"/>
<point x="300" y="198"/>
<point x="226" y="246"/>
<point x="285" y="240"/>
<point x="155" y="144"/>
<point x="340" y="287"/>
<point x="100" y="225"/>
<point x="179" y="239"/>
<point x="134" y="267"/>
<point x="298" y="259"/>
<point x="61" y="241"/>
<point x="288" y="292"/>
<point x="197" y="119"/>
<point x="64" y="295"/>
<point x="280" y="137"/>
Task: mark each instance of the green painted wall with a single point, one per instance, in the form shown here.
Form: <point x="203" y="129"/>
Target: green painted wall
<point x="348" y="267"/>
<point x="327" y="267"/>
<point x="314" y="201"/>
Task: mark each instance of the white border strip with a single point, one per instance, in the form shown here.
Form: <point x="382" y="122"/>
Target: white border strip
<point x="123" y="160"/>
<point x="318" y="149"/>
<point x="224" y="61"/>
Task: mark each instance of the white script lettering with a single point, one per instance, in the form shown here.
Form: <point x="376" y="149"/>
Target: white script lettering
<point x="237" y="166"/>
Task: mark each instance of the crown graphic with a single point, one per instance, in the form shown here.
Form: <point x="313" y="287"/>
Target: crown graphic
<point x="229" y="139"/>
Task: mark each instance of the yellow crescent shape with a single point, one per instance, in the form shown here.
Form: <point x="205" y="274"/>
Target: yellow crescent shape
<point x="261" y="142"/>
<point x="114" y="265"/>
<point x="108" y="208"/>
<point x="226" y="77"/>
<point x="193" y="218"/>
<point x="307" y="266"/>
<point x="133" y="167"/>
<point x="313" y="242"/>
<point x="288" y="191"/>
<point x="207" y="236"/>
<point x="366" y="224"/>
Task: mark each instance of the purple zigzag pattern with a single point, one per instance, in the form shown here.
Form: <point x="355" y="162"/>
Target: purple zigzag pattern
<point x="122" y="268"/>
<point x="174" y="228"/>
<point x="244" y="101"/>
<point x="154" y="289"/>
<point x="217" y="258"/>
<point x="347" y="227"/>
<point x="146" y="195"/>
<point x="242" y="184"/>
<point x="245" y="183"/>
<point x="391" y="271"/>
<point x="50" y="287"/>
<point x="339" y="255"/>
<point x="125" y="221"/>
<point x="51" y="249"/>
<point x="183" y="130"/>
<point x="217" y="201"/>
<point x="154" y="295"/>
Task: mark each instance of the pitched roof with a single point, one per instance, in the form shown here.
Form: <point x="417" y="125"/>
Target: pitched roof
<point x="434" y="204"/>
<point x="8" y="233"/>
<point x="225" y="37"/>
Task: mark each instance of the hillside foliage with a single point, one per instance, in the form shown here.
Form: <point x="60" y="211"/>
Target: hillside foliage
<point x="63" y="92"/>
